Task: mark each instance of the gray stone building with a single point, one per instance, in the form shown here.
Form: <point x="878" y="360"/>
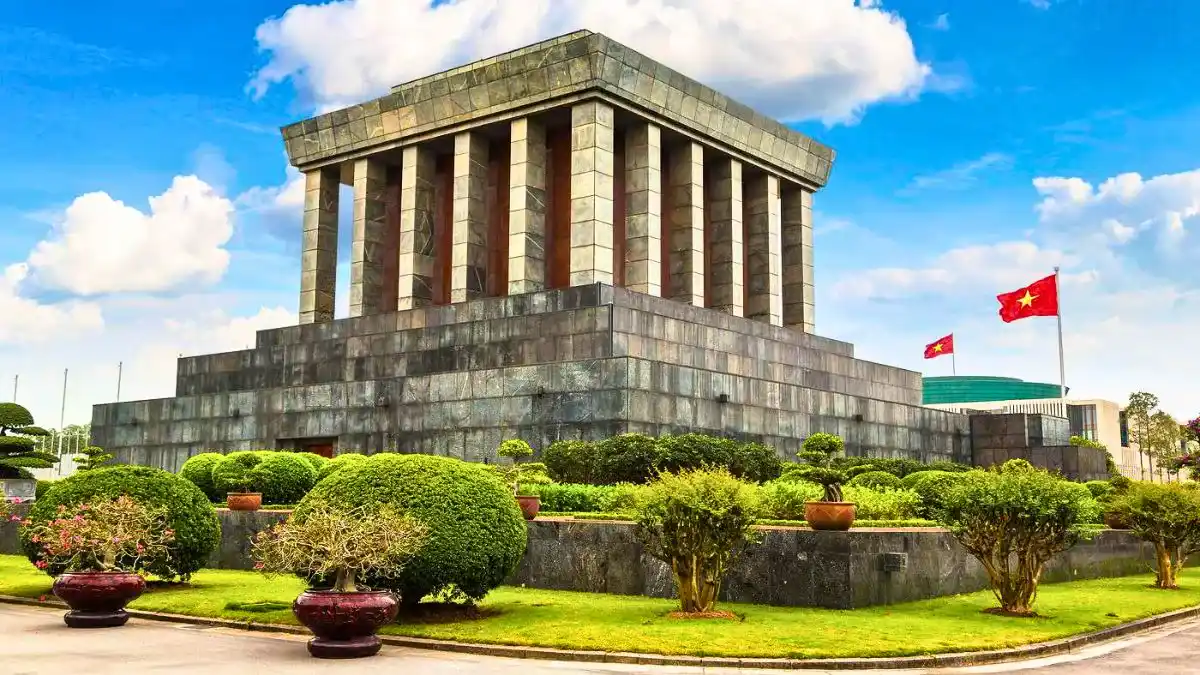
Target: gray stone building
<point x="564" y="241"/>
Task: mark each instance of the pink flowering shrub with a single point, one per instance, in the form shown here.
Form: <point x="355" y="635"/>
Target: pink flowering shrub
<point x="101" y="536"/>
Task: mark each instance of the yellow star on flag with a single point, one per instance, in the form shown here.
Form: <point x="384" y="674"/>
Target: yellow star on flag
<point x="937" y="347"/>
<point x="1027" y="299"/>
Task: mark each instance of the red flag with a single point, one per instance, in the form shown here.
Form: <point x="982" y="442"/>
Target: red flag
<point x="941" y="347"/>
<point x="1037" y="299"/>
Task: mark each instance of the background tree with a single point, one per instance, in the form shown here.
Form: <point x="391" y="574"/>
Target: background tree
<point x="1164" y="437"/>
<point x="1137" y="414"/>
<point x="18" y="447"/>
<point x="93" y="457"/>
<point x="1167" y="516"/>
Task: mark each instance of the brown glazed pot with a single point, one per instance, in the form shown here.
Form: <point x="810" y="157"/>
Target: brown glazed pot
<point x="344" y="624"/>
<point x="243" y="501"/>
<point x="98" y="599"/>
<point x="829" y="515"/>
<point x="530" y="506"/>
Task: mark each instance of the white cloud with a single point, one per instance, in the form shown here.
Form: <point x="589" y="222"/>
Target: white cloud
<point x="942" y="22"/>
<point x="961" y="175"/>
<point x="104" y="246"/>
<point x="279" y="207"/>
<point x="26" y="320"/>
<point x="828" y="59"/>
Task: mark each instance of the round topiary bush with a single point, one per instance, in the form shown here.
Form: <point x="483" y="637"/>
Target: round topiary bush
<point x="626" y="458"/>
<point x="572" y="461"/>
<point x="189" y="513"/>
<point x="693" y="451"/>
<point x="338" y="463"/>
<point x="477" y="534"/>
<point x="283" y="477"/>
<point x="314" y="460"/>
<point x="877" y="480"/>
<point x="756" y="462"/>
<point x="199" y="470"/>
<point x="233" y="472"/>
<point x="932" y="488"/>
<point x="913" y="478"/>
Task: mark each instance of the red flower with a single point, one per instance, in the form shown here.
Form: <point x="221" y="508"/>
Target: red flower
<point x="41" y="564"/>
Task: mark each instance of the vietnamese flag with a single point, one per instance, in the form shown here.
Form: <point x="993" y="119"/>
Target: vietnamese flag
<point x="1037" y="299"/>
<point x="940" y="348"/>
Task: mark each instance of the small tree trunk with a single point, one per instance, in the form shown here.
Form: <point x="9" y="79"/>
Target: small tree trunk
<point x="345" y="582"/>
<point x="1164" y="571"/>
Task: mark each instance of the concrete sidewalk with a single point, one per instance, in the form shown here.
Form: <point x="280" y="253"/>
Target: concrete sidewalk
<point x="37" y="643"/>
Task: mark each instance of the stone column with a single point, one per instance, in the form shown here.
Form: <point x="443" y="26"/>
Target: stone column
<point x="527" y="208"/>
<point x="686" y="176"/>
<point x="798" y="296"/>
<point x="764" y="292"/>
<point x="643" y="209"/>
<point x="416" y="227"/>
<point x="318" y="266"/>
<point x="468" y="274"/>
<point x="591" y="193"/>
<point x="726" y="239"/>
<point x="366" y="250"/>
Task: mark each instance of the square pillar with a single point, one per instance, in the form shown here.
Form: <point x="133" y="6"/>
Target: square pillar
<point x="643" y="209"/>
<point x="591" y="193"/>
<point x="764" y="260"/>
<point x="726" y="238"/>
<point x="527" y="207"/>
<point x="318" y="266"/>
<point x="367" y="248"/>
<point x="418" y="168"/>
<point x="798" y="295"/>
<point x="468" y="274"/>
<point x="686" y="182"/>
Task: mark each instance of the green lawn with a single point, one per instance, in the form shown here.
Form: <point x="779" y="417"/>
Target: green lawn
<point x="623" y="623"/>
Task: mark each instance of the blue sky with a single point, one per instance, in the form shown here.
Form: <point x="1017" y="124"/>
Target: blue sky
<point x="929" y="213"/>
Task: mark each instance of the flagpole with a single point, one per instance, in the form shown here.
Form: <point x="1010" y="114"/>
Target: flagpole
<point x="953" y="364"/>
<point x="16" y="381"/>
<point x="62" y="414"/>
<point x="1062" y="368"/>
<point x="120" y="367"/>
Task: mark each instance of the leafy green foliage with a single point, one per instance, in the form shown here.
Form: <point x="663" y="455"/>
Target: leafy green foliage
<point x="819" y="452"/>
<point x="573" y="497"/>
<point x="1014" y="520"/>
<point x="1085" y="442"/>
<point x="43" y="488"/>
<point x="688" y="451"/>
<point x="189" y="513"/>
<point x="338" y="463"/>
<point x="1100" y="489"/>
<point x="931" y="488"/>
<point x="625" y="458"/>
<point x="785" y="499"/>
<point x="515" y="448"/>
<point x="883" y="503"/>
<point x="877" y="479"/>
<point x="282" y="477"/>
<point x="637" y="458"/>
<point x="477" y="534"/>
<point x="571" y="461"/>
<point x="698" y="521"/>
<point x="198" y="469"/>
<point x="1167" y="516"/>
<point x="233" y="472"/>
<point x="18" y="450"/>
<point x="93" y="458"/>
<point x="314" y="460"/>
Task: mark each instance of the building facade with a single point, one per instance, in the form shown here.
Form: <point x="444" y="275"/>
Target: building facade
<point x="970" y="388"/>
<point x="564" y="241"/>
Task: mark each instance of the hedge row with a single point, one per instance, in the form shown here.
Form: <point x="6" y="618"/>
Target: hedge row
<point x="627" y="517"/>
<point x="637" y="458"/>
<point x="281" y="477"/>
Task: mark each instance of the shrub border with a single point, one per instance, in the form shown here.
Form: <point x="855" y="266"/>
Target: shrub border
<point x="958" y="659"/>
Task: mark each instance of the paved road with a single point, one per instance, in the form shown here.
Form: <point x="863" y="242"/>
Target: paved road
<point x="35" y="642"/>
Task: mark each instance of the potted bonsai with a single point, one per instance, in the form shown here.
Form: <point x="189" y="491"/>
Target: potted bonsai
<point x="343" y="546"/>
<point x="19" y="452"/>
<point x="818" y="453"/>
<point x="234" y="475"/>
<point x="97" y="545"/>
<point x="522" y="477"/>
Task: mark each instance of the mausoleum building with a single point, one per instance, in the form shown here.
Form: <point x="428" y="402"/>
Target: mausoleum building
<point x="564" y="241"/>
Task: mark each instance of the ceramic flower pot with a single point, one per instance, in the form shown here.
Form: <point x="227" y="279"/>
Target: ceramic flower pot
<point x="838" y="516"/>
<point x="243" y="501"/>
<point x="98" y="599"/>
<point x="344" y="624"/>
<point x="530" y="506"/>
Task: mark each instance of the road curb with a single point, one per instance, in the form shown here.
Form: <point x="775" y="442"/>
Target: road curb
<point x="1033" y="651"/>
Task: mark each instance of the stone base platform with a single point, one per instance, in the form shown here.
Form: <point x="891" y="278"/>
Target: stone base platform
<point x="584" y="362"/>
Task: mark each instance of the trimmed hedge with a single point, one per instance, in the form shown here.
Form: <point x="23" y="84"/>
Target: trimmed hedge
<point x="768" y="522"/>
<point x="199" y="470"/>
<point x="42" y="487"/>
<point x="314" y="460"/>
<point x="477" y="534"/>
<point x="283" y="477"/>
<point x="932" y="488"/>
<point x="571" y="497"/>
<point x="338" y="463"/>
<point x="637" y="458"/>
<point x="877" y="480"/>
<point x="189" y="513"/>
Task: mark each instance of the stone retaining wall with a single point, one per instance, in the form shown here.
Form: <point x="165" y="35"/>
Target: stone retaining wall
<point x="792" y="567"/>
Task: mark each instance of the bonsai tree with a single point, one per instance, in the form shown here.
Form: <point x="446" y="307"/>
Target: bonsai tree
<point x="818" y="452"/>
<point x="519" y="474"/>
<point x="340" y="544"/>
<point x="1013" y="520"/>
<point x="93" y="458"/>
<point x="1167" y="516"/>
<point x="698" y="522"/>
<point x="106" y="535"/>
<point x="18" y="450"/>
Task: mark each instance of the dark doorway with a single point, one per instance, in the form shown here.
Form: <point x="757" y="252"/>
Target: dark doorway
<point x="325" y="447"/>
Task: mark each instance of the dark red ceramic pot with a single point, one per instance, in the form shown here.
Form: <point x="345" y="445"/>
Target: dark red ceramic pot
<point x="98" y="599"/>
<point x="344" y="623"/>
<point x="530" y="506"/>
